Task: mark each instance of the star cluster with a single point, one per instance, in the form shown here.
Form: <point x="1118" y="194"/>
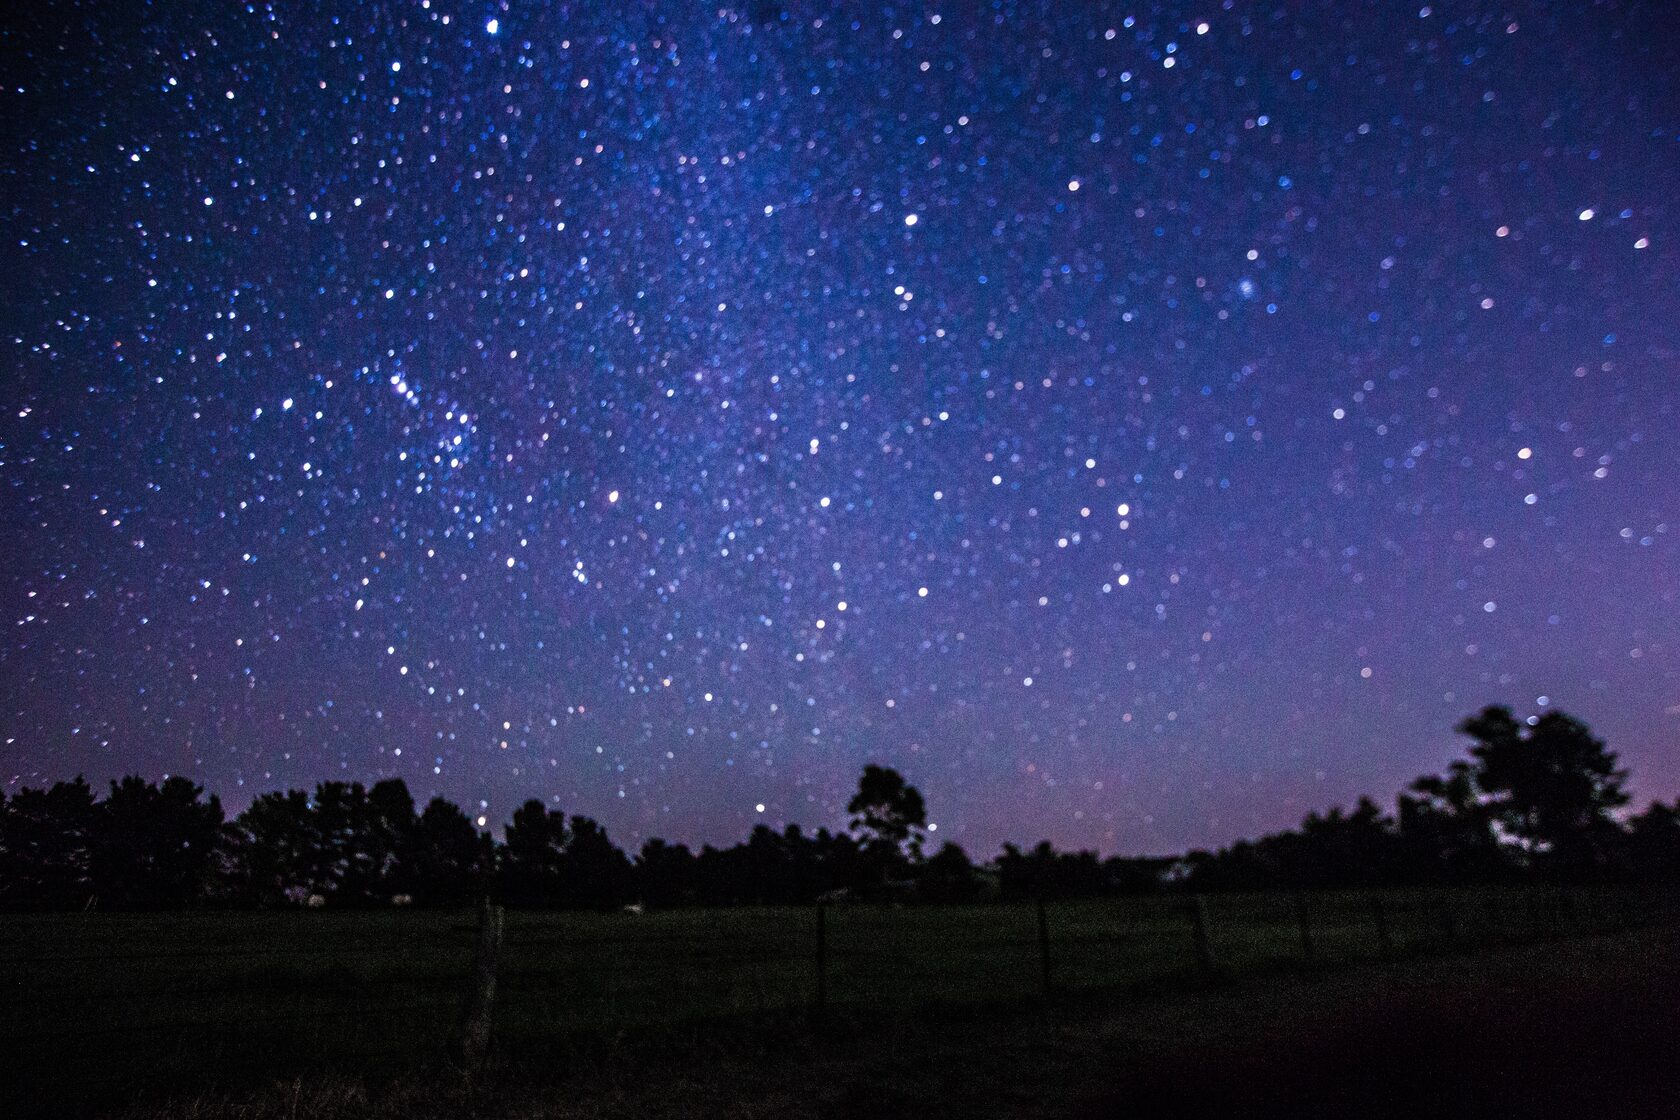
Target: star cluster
<point x="1137" y="424"/>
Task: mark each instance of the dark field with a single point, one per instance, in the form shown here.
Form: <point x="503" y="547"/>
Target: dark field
<point x="642" y="1014"/>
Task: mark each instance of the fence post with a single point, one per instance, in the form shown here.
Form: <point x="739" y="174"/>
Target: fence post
<point x="1385" y="943"/>
<point x="1204" y="939"/>
<point x="1043" y="945"/>
<point x="822" y="958"/>
<point x="474" y="1039"/>
<point x="1306" y="926"/>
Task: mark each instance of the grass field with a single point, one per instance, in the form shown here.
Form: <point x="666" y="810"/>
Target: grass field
<point x="110" y="1009"/>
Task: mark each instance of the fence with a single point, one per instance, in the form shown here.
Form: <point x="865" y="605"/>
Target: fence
<point x="109" y="1003"/>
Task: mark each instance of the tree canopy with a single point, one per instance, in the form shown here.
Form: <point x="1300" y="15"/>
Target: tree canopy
<point x="1535" y="797"/>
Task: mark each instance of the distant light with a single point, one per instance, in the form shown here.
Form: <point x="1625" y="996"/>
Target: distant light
<point x="1525" y="453"/>
<point x="1642" y="243"/>
<point x="612" y="496"/>
<point x="1073" y="184"/>
<point x="395" y="66"/>
<point x="510" y="561"/>
<point x="286" y="404"/>
<point x="911" y="219"/>
<point x="921" y="593"/>
<point x="492" y="27"/>
<point x="1201" y="29"/>
<point x="759" y="807"/>
<point x="1587" y="214"/>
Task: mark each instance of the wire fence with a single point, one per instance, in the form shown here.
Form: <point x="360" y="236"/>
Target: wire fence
<point x="113" y="1004"/>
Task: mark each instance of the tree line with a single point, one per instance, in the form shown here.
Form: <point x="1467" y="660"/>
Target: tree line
<point x="1537" y="798"/>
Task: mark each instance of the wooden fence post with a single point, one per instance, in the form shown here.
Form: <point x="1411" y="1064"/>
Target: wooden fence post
<point x="1301" y="919"/>
<point x="822" y="959"/>
<point x="473" y="1042"/>
<point x="1379" y="916"/>
<point x="1043" y="945"/>
<point x="1204" y="938"/>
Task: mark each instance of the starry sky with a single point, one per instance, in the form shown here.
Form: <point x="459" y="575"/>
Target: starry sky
<point x="1140" y="425"/>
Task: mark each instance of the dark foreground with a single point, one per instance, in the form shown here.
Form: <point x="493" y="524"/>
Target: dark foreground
<point x="1569" y="1028"/>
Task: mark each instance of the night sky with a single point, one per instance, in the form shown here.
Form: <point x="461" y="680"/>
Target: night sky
<point x="1139" y="425"/>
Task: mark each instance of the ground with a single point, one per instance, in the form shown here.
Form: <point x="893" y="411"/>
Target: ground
<point x="1562" y="1016"/>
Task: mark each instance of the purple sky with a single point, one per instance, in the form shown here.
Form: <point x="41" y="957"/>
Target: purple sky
<point x="1138" y="425"/>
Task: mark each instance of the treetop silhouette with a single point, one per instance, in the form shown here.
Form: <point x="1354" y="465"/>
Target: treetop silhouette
<point x="1534" y="798"/>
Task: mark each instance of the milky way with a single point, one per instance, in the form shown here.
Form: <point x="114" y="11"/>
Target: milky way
<point x="1139" y="426"/>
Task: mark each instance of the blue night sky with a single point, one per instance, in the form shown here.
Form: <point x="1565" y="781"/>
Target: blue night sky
<point x="1139" y="425"/>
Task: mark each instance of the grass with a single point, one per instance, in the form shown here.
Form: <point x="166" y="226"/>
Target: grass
<point x="109" y="1009"/>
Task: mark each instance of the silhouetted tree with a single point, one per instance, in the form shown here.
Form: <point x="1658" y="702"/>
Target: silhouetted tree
<point x="529" y="868"/>
<point x="277" y="851"/>
<point x="1552" y="787"/>
<point x="1446" y="831"/>
<point x="1361" y="848"/>
<point x="767" y="868"/>
<point x="1536" y="798"/>
<point x="1652" y="849"/>
<point x="349" y="843"/>
<point x="1046" y="873"/>
<point x="446" y="857"/>
<point x="1337" y="849"/>
<point x="664" y="874"/>
<point x="593" y="872"/>
<point x="838" y="863"/>
<point x="1019" y="875"/>
<point x="46" y="840"/>
<point x="888" y="810"/>
<point x="887" y="817"/>
<point x="388" y="838"/>
<point x="949" y="876"/>
<point x="811" y="864"/>
<point x="153" y="846"/>
<point x="1135" y="874"/>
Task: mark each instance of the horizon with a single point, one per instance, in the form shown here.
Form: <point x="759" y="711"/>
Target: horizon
<point x="1153" y="426"/>
<point x="496" y="828"/>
